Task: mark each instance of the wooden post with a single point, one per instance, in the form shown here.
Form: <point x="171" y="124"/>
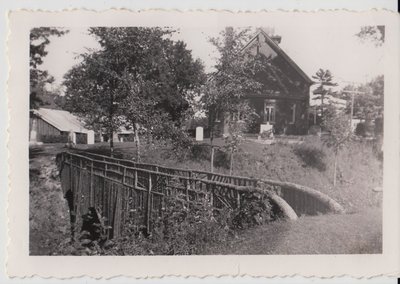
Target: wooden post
<point x="148" y="211"/>
<point x="136" y="181"/>
<point x="91" y="185"/>
<point x="188" y="182"/>
<point x="72" y="214"/>
<point x="211" y="194"/>
<point x="315" y="115"/>
<point x="124" y="177"/>
<point x="212" y="159"/>
<point x="238" y="199"/>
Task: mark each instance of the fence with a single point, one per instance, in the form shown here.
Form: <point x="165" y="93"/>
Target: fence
<point x="302" y="199"/>
<point x="121" y="191"/>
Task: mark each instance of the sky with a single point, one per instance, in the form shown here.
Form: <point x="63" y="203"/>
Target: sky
<point x="312" y="47"/>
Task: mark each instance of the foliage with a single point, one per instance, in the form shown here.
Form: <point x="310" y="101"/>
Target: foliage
<point x="369" y="102"/>
<point x="139" y="78"/>
<point x="311" y="155"/>
<point x="337" y="123"/>
<point x="324" y="79"/>
<point x="238" y="123"/>
<point x="340" y="132"/>
<point x="255" y="210"/>
<point x="235" y="75"/>
<point x="361" y="129"/>
<point x="182" y="229"/>
<point x="374" y="34"/>
<point x="188" y="229"/>
<point x="39" y="40"/>
<point x="202" y="152"/>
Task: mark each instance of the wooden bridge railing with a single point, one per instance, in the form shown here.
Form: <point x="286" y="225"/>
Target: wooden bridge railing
<point x="120" y="190"/>
<point x="302" y="199"/>
<point x="235" y="180"/>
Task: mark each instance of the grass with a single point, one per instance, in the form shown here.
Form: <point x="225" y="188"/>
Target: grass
<point x="359" y="172"/>
<point x="358" y="233"/>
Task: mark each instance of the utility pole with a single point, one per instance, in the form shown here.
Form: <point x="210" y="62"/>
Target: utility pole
<point x="352" y="102"/>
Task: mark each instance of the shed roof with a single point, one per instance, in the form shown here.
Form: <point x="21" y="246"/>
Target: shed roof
<point x="61" y="119"/>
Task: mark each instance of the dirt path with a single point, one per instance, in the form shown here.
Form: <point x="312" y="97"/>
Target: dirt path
<point x="48" y="211"/>
<point x="326" y="234"/>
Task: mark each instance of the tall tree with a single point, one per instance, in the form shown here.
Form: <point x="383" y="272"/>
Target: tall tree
<point x="39" y="40"/>
<point x="234" y="78"/>
<point x="239" y="72"/>
<point x="369" y="101"/>
<point x="138" y="75"/>
<point x="374" y="34"/>
<point x="324" y="79"/>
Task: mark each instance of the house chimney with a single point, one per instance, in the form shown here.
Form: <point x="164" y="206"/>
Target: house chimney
<point x="270" y="31"/>
<point x="276" y="38"/>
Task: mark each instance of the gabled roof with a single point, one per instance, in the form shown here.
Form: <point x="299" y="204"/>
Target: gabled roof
<point x="275" y="47"/>
<point x="61" y="119"/>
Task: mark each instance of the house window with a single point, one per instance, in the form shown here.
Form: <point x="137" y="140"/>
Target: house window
<point x="293" y="109"/>
<point x="269" y="112"/>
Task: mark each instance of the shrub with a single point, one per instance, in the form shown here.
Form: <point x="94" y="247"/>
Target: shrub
<point x="361" y="129"/>
<point x="203" y="152"/>
<point x="255" y="210"/>
<point x="221" y="158"/>
<point x="187" y="230"/>
<point x="311" y="155"/>
<point x="181" y="229"/>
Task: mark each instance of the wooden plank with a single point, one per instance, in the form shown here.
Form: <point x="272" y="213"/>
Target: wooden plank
<point x="148" y="209"/>
<point x="92" y="197"/>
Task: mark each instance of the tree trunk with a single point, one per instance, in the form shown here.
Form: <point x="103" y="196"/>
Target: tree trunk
<point x="322" y="106"/>
<point x="111" y="116"/>
<point x="231" y="163"/>
<point x="137" y="141"/>
<point x="111" y="142"/>
<point x="211" y="144"/>
<point x="101" y="135"/>
<point x="335" y="169"/>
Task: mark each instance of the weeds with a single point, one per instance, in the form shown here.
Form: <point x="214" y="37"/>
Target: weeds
<point x="312" y="156"/>
<point x="181" y="229"/>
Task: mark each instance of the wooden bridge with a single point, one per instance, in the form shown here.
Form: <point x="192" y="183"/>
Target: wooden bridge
<point x="119" y="190"/>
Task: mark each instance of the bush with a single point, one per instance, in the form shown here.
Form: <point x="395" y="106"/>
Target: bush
<point x="181" y="229"/>
<point x="203" y="152"/>
<point x="311" y="155"/>
<point x="187" y="230"/>
<point x="361" y="129"/>
<point x="255" y="210"/>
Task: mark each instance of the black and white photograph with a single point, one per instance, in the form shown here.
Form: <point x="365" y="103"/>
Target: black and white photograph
<point x="225" y="140"/>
